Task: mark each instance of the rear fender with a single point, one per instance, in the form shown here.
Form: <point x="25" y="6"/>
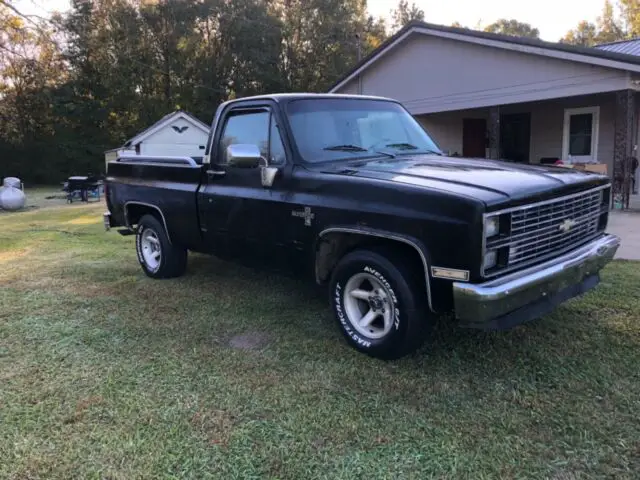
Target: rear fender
<point x="131" y="220"/>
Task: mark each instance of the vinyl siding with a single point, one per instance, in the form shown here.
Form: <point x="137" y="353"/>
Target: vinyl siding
<point x="168" y="141"/>
<point x="431" y="74"/>
<point x="351" y="88"/>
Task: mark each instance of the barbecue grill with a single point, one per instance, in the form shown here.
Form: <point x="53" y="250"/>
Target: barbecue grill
<point x="82" y="187"/>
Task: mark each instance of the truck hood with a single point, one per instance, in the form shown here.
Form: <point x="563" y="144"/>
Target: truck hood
<point x="487" y="180"/>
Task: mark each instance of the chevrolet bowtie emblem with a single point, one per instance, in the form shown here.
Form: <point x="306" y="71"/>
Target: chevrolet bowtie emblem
<point x="567" y="225"/>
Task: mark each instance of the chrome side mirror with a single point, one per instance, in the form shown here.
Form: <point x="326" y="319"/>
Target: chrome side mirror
<point x="243" y="156"/>
<point x="249" y="156"/>
<point x="268" y="175"/>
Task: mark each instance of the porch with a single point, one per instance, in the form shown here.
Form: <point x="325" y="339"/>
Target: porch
<point x="599" y="129"/>
<point x="625" y="225"/>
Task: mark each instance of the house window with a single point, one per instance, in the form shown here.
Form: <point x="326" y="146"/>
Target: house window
<point x="580" y="135"/>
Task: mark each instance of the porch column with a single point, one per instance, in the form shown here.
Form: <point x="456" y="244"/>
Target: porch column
<point x="493" y="131"/>
<point x="623" y="148"/>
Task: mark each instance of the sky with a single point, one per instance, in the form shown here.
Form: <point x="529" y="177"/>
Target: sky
<point x="552" y="17"/>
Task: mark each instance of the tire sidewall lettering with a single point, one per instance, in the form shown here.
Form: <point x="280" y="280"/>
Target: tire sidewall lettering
<point x="354" y="336"/>
<point x="394" y="297"/>
<point x="342" y="318"/>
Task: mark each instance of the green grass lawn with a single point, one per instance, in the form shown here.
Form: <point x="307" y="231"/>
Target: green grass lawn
<point x="229" y="373"/>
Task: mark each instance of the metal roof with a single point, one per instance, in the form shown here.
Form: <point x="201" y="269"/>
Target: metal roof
<point x="628" y="47"/>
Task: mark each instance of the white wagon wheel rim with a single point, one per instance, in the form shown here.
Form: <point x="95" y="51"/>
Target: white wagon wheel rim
<point x="368" y="305"/>
<point x="151" y="249"/>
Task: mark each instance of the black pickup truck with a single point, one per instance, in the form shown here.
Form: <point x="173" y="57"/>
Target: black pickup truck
<point x="352" y="192"/>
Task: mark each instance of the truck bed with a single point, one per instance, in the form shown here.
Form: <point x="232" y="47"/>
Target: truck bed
<point x="171" y="184"/>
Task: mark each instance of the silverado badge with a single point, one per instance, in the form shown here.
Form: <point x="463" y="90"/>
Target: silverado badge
<point x="567" y="225"/>
<point x="306" y="214"/>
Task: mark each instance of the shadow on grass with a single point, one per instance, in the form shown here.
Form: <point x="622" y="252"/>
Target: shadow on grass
<point x="216" y="296"/>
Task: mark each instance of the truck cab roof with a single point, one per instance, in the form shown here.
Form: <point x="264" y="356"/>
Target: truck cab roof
<point x="285" y="97"/>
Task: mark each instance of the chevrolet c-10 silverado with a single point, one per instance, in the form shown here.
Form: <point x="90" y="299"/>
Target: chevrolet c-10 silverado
<point x="352" y="192"/>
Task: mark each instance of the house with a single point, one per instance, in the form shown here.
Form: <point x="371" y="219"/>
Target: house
<point x="176" y="134"/>
<point x="486" y="95"/>
<point x="111" y="155"/>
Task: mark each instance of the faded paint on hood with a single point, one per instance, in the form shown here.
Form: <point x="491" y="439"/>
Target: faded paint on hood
<point x="501" y="180"/>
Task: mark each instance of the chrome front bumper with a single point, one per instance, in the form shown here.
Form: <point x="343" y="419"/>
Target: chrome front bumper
<point x="528" y="294"/>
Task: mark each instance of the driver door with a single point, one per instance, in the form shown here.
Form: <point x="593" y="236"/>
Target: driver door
<point x="236" y="209"/>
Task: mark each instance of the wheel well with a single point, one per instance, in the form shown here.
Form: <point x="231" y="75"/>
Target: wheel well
<point x="333" y="246"/>
<point x="135" y="211"/>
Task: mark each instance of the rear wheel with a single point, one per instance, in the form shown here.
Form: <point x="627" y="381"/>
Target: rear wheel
<point x="378" y="301"/>
<point x="157" y="256"/>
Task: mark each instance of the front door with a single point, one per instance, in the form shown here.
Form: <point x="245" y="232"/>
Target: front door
<point x="235" y="208"/>
<point x="515" y="137"/>
<point x="474" y="137"/>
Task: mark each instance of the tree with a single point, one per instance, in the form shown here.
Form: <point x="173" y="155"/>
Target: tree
<point x="117" y="66"/>
<point x="405" y="13"/>
<point x="584" y="34"/>
<point x="513" y="27"/>
<point x="321" y="40"/>
<point x="30" y="71"/>
<point x="630" y="17"/>
<point x="609" y="27"/>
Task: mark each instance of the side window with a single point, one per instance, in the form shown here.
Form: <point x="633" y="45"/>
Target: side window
<point x="245" y="127"/>
<point x="277" y="154"/>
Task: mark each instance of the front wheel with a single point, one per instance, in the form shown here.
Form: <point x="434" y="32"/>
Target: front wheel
<point x="378" y="301"/>
<point x="157" y="256"/>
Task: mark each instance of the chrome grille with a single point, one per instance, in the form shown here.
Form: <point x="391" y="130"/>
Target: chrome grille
<point x="542" y="229"/>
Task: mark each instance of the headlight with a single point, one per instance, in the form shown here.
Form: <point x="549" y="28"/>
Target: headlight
<point x="491" y="226"/>
<point x="490" y="259"/>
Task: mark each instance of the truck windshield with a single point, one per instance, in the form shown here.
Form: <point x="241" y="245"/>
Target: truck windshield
<point x="332" y="129"/>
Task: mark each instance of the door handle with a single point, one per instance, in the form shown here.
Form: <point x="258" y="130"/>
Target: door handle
<point x="216" y="173"/>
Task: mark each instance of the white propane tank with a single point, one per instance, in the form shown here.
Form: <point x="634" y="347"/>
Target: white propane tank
<point x="12" y="182"/>
<point x="12" y="198"/>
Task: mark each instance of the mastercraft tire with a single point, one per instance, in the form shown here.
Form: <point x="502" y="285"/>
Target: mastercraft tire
<point x="157" y="256"/>
<point x="378" y="299"/>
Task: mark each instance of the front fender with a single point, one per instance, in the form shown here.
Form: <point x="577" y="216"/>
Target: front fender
<point x="392" y="236"/>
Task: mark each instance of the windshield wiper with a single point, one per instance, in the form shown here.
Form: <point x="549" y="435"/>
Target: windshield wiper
<point x="346" y="148"/>
<point x="402" y="146"/>
<point x="356" y="148"/>
<point x="409" y="146"/>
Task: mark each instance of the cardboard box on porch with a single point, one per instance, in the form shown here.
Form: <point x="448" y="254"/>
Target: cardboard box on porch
<point x="600" y="168"/>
